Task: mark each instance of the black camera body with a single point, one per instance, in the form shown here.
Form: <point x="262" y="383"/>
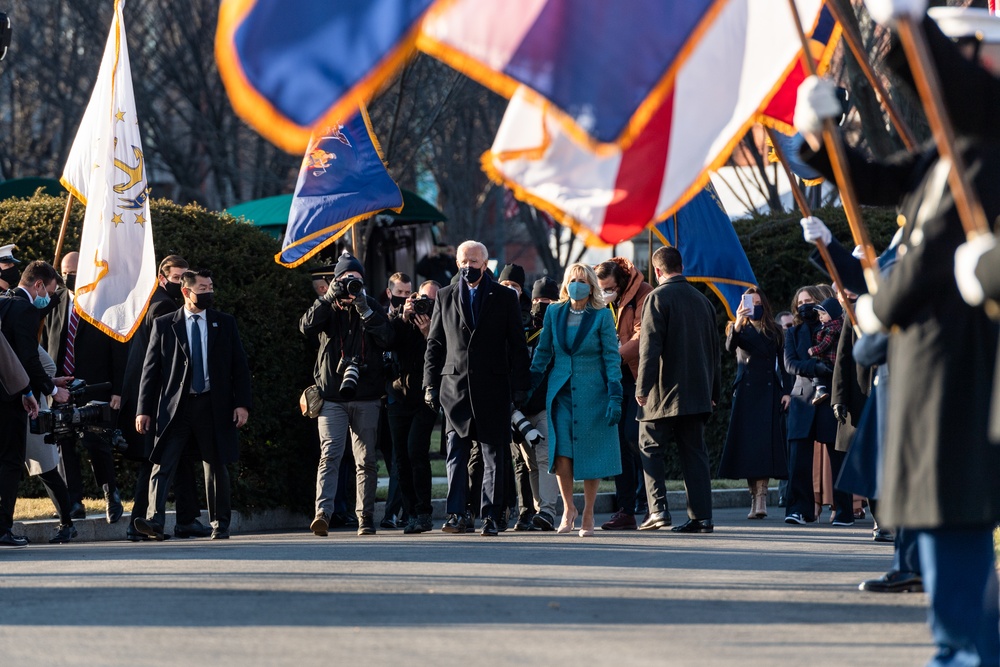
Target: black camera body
<point x="70" y="420"/>
<point x="349" y="368"/>
<point x="423" y="305"/>
<point x="345" y="289"/>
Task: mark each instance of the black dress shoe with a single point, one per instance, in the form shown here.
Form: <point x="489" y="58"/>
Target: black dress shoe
<point x="220" y="533"/>
<point x="64" y="534"/>
<point x="490" y="528"/>
<point x="544" y="521"/>
<point x="194" y="529"/>
<point x="454" y="524"/>
<point x="77" y="511"/>
<point x="133" y="535"/>
<point x="150" y="528"/>
<point x="11" y="541"/>
<point x="115" y="509"/>
<point x="656" y="520"/>
<point x="523" y="523"/>
<point x="389" y="523"/>
<point x="894" y="581"/>
<point x="695" y="526"/>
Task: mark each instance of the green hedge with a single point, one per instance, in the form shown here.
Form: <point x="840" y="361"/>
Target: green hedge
<point x="279" y="451"/>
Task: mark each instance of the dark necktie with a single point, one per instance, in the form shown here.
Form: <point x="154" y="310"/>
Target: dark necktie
<point x="69" y="361"/>
<point x="472" y="304"/>
<point x="198" y="365"/>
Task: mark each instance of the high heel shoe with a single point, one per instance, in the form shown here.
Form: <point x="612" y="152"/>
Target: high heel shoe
<point x="587" y="532"/>
<point x="567" y="526"/>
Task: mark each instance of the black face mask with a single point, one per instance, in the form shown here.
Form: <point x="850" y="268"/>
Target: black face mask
<point x="471" y="274"/>
<point x="70" y="280"/>
<point x="11" y="276"/>
<point x="174" y="290"/>
<point x="397" y="301"/>
<point x="538" y="313"/>
<point x="807" y="312"/>
<point x="205" y="300"/>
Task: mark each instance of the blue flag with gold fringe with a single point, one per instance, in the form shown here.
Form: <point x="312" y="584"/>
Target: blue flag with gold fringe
<point x="343" y="180"/>
<point x="709" y="247"/>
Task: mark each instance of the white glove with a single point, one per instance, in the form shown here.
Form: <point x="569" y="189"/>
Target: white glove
<point x="868" y="321"/>
<point x="815" y="101"/>
<point x="885" y="12"/>
<point x="858" y="252"/>
<point x="966" y="260"/>
<point x="814" y="230"/>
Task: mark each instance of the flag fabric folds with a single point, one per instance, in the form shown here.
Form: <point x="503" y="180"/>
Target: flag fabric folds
<point x="106" y="171"/>
<point x="605" y="68"/>
<point x="731" y="73"/>
<point x="342" y="181"/>
<point x="291" y="66"/>
<point x="709" y="247"/>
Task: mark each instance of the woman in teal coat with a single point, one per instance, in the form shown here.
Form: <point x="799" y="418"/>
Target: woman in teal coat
<point x="584" y="399"/>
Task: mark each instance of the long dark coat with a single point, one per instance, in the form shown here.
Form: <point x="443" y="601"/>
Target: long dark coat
<point x="988" y="272"/>
<point x="755" y="443"/>
<point x="805" y="420"/>
<point x="165" y="379"/>
<point x="476" y="366"/>
<point x="680" y="370"/>
<point x="852" y="383"/>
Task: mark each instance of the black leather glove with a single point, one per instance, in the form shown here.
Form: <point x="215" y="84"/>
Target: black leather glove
<point x="431" y="398"/>
<point x="519" y="397"/>
<point x="361" y="305"/>
<point x="840" y="412"/>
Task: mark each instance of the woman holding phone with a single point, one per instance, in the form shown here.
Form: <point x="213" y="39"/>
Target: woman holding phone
<point x="755" y="444"/>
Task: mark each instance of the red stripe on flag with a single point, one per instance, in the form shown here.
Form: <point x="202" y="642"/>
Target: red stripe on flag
<point x="640" y="178"/>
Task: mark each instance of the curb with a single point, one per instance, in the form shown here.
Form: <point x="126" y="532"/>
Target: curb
<point x="95" y="528"/>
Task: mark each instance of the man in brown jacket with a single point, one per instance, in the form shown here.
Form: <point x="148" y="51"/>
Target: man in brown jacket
<point x="625" y="291"/>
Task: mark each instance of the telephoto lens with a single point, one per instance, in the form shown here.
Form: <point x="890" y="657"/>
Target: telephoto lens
<point x="349" y="385"/>
<point x="524" y="427"/>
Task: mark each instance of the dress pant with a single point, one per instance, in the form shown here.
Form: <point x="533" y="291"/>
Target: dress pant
<point x="906" y="551"/>
<point x="56" y="489"/>
<point x="13" y="434"/>
<point x="411" y="430"/>
<point x="543" y="485"/>
<point x="689" y="432"/>
<point x="800" y="469"/>
<point x="628" y="482"/>
<point x="959" y="573"/>
<point x="101" y="460"/>
<point x="394" y="498"/>
<point x="193" y="422"/>
<point x="185" y="494"/>
<point x="522" y="481"/>
<point x="494" y="473"/>
<point x="337" y="420"/>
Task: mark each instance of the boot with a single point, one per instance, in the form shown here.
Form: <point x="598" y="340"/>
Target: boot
<point x="752" y="483"/>
<point x="760" y="499"/>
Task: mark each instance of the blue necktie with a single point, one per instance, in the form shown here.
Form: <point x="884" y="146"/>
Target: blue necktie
<point x="472" y="304"/>
<point x="198" y="366"/>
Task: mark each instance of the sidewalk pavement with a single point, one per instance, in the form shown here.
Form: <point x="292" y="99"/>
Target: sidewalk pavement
<point x="95" y="527"/>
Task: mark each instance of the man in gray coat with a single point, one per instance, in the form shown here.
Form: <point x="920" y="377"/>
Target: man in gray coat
<point x="679" y="384"/>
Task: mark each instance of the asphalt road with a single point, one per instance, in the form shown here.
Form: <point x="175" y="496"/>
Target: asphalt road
<point x="753" y="593"/>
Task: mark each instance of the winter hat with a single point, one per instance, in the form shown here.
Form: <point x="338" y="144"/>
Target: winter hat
<point x="831" y="307"/>
<point x="545" y="288"/>
<point x="513" y="273"/>
<point x="348" y="262"/>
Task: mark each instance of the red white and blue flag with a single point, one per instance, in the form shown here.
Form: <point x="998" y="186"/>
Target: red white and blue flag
<point x="730" y="75"/>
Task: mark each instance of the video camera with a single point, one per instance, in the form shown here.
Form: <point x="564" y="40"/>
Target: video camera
<point x="71" y="419"/>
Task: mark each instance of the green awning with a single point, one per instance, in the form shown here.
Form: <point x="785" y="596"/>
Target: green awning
<point x="25" y="187"/>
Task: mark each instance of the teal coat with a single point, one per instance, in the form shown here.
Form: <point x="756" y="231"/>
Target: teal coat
<point x="590" y="367"/>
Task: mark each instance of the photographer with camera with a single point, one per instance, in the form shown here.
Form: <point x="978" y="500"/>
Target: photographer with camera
<point x="19" y="322"/>
<point x="351" y="379"/>
<point x="81" y="350"/>
<point x="411" y="422"/>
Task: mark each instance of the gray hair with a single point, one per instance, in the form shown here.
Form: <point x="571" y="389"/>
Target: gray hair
<point x="465" y="246"/>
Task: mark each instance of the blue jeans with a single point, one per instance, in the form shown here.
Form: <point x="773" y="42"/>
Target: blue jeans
<point x="960" y="578"/>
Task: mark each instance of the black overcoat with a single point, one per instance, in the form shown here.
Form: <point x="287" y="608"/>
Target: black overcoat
<point x="166" y="380"/>
<point x="805" y="420"/>
<point x="476" y="367"/>
<point x="852" y="383"/>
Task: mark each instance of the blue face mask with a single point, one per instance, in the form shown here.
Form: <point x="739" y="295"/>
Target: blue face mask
<point x="578" y="291"/>
<point x="41" y="302"/>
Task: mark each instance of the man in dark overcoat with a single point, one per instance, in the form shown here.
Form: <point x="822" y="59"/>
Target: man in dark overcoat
<point x="476" y="365"/>
<point x="196" y="381"/>
<point x="678" y="385"/>
<point x="939" y="473"/>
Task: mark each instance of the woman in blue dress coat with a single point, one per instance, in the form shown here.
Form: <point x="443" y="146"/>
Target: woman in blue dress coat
<point x="579" y="349"/>
<point x="755" y="444"/>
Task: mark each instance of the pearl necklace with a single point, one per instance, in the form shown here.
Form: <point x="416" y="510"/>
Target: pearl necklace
<point x="574" y="311"/>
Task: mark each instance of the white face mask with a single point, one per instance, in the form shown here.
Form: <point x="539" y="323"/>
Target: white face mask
<point x="610" y="296"/>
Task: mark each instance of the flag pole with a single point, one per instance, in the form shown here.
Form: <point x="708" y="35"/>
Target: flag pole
<point x="824" y="252"/>
<point x="853" y="40"/>
<point x="838" y="160"/>
<point x="970" y="208"/>
<point x="62" y="231"/>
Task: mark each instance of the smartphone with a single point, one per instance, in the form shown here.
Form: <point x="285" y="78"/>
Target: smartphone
<point x="747" y="301"/>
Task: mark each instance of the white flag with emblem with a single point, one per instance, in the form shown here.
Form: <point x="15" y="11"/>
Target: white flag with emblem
<point x="106" y="171"/>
